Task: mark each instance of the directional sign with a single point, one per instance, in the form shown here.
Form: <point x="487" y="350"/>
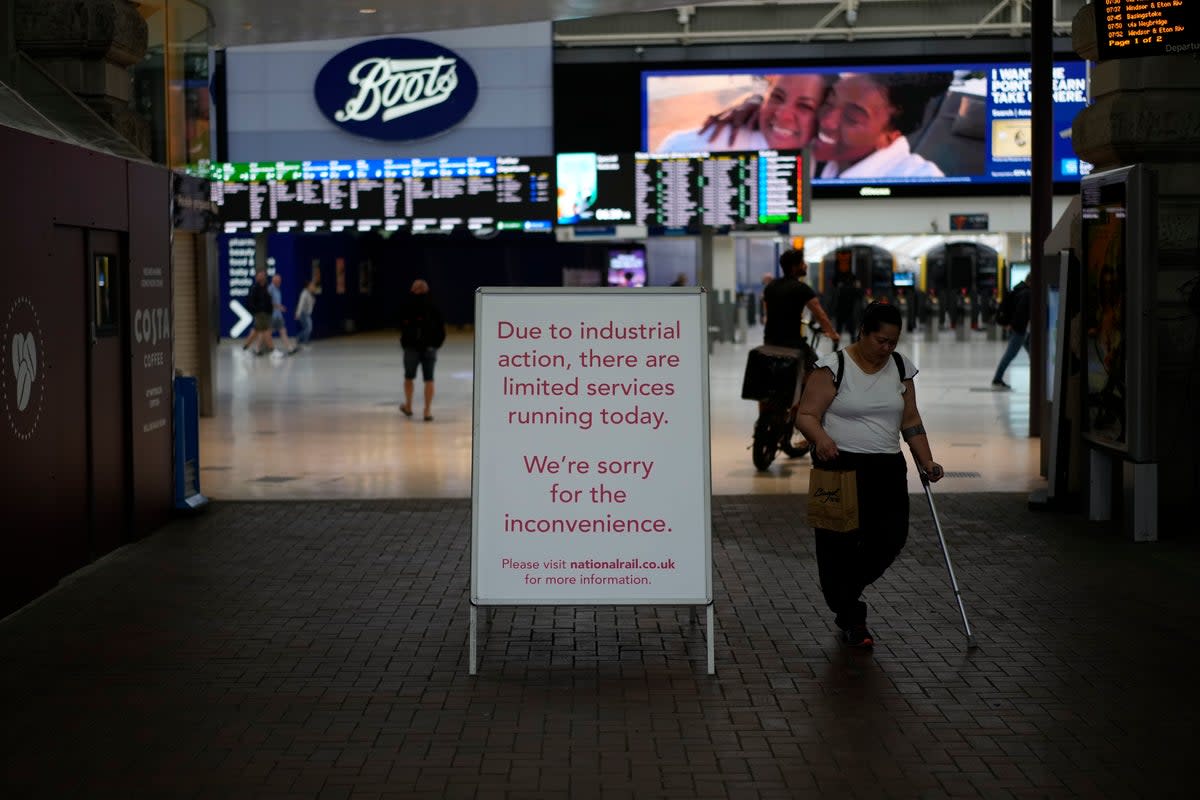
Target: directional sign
<point x="244" y="318"/>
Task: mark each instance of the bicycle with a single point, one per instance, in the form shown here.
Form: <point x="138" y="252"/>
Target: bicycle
<point x="780" y="373"/>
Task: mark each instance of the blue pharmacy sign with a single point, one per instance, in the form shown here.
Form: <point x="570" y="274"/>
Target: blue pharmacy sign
<point x="396" y="89"/>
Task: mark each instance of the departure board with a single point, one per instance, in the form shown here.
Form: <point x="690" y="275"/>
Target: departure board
<point x="1134" y="28"/>
<point x="420" y="195"/>
<point x="687" y="191"/>
<point x="718" y="190"/>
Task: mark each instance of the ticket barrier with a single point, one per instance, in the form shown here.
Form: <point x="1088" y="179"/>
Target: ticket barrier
<point x="932" y="318"/>
<point x="962" y="325"/>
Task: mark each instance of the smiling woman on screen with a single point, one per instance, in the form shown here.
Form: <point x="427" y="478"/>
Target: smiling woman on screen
<point x="863" y="122"/>
<point x="786" y="119"/>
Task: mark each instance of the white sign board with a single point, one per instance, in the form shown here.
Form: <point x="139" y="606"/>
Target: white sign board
<point x="591" y="470"/>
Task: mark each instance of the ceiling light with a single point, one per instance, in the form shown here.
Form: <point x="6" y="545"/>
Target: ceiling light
<point x="366" y="10"/>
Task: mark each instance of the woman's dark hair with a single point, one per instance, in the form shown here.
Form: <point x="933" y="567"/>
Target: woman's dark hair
<point x="878" y="314"/>
<point x="910" y="94"/>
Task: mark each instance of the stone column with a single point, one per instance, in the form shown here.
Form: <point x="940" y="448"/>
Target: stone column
<point x="88" y="46"/>
<point x="1147" y="110"/>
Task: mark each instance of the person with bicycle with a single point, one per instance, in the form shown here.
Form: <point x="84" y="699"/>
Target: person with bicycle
<point x="784" y="302"/>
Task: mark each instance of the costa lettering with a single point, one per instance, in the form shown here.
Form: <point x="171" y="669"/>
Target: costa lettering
<point x="395" y="89"/>
<point x="151" y="324"/>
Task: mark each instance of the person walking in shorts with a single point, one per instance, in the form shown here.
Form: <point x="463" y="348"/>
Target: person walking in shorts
<point x="304" y="310"/>
<point x="258" y="303"/>
<point x="422" y="332"/>
<point x="277" y="321"/>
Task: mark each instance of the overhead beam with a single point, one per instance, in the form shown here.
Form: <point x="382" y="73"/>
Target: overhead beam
<point x="966" y="30"/>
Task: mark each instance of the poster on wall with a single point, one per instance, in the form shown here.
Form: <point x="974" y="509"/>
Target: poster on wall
<point x="1117" y="213"/>
<point x="590" y="425"/>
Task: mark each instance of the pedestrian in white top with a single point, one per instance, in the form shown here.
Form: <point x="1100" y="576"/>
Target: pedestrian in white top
<point x="856" y="407"/>
<point x="304" y="310"/>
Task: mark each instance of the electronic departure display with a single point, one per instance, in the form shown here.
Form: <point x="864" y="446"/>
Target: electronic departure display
<point x="1133" y="28"/>
<point x="735" y="190"/>
<point x="420" y="195"/>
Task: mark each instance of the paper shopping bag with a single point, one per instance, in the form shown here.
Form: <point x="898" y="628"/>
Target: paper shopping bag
<point x="833" y="499"/>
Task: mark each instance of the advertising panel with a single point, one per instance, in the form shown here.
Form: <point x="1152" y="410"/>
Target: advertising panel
<point x="591" y="450"/>
<point x="1117" y="212"/>
<point x="914" y="124"/>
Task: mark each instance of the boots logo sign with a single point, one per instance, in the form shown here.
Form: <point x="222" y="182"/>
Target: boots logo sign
<point x="21" y="389"/>
<point x="396" y="89"/>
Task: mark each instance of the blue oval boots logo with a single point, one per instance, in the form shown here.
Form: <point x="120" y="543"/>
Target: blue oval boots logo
<point x="396" y="89"/>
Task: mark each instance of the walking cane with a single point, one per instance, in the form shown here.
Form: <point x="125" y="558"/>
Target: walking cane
<point x="946" y="553"/>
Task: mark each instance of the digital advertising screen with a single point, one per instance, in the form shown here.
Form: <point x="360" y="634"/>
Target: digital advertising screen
<point x="595" y="188"/>
<point x="501" y="192"/>
<point x="1118" y="215"/>
<point x="936" y="125"/>
<point x="1104" y="313"/>
<point x="627" y="266"/>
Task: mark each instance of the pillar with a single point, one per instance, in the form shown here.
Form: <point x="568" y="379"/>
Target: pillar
<point x="718" y="273"/>
<point x="1147" y="110"/>
<point x="88" y="46"/>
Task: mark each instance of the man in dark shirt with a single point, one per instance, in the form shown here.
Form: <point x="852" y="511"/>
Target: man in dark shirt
<point x="260" y="304"/>
<point x="784" y="301"/>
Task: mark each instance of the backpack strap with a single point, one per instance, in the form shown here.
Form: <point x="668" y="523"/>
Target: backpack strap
<point x="899" y="364"/>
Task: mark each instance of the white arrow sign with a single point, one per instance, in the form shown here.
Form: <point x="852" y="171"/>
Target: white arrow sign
<point x="244" y="318"/>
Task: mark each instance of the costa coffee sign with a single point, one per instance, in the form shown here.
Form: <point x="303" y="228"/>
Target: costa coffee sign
<point x="396" y="89"/>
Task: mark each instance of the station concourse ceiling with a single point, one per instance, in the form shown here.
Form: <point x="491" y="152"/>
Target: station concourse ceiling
<point x="246" y="22"/>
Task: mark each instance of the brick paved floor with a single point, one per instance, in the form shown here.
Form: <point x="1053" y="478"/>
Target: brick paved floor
<point x="320" y="650"/>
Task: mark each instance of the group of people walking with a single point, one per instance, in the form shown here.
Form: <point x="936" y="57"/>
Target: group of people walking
<point x="422" y="330"/>
<point x="265" y="304"/>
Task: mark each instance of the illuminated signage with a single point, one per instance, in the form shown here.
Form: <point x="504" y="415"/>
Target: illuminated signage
<point x="396" y="89"/>
<point x="961" y="124"/>
<point x="421" y="195"/>
<point x="1134" y="28"/>
<point x="685" y="191"/>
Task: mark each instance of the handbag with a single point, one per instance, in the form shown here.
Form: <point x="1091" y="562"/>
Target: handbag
<point x="833" y="499"/>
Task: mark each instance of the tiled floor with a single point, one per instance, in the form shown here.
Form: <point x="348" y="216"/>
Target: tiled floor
<point x="318" y="649"/>
<point x="296" y="646"/>
<point x="325" y="423"/>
